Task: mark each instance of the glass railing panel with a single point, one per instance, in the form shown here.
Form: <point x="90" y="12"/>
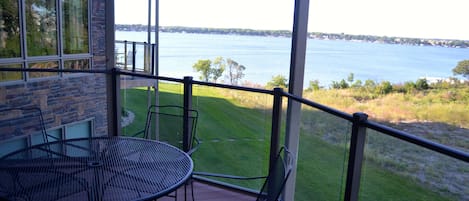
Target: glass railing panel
<point x="397" y="170"/>
<point x="234" y="130"/>
<point x="322" y="156"/>
<point x="137" y="94"/>
<point x="133" y="56"/>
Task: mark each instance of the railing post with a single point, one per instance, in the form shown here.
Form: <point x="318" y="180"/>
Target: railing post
<point x="153" y="59"/>
<point x="114" y="113"/>
<point x="357" y="146"/>
<point x="187" y="106"/>
<point x="134" y="48"/>
<point x="275" y="136"/>
<point x="125" y="55"/>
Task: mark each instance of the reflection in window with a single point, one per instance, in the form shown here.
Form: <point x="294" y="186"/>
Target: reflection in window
<point x="41" y="27"/>
<point x="81" y="64"/>
<point x="10" y="76"/>
<point x="9" y="30"/>
<point x="43" y="65"/>
<point x="75" y="26"/>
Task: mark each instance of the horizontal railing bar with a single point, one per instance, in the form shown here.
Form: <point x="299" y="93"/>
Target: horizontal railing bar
<point x="225" y="86"/>
<point x="144" y="75"/>
<point x="130" y="42"/>
<point x="227" y="185"/>
<point x="440" y="148"/>
<point x="321" y="107"/>
<point x="208" y="174"/>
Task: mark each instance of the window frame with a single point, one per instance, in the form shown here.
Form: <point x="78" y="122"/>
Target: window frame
<point x="24" y="59"/>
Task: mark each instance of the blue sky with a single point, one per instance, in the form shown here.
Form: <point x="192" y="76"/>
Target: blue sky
<point x="407" y="18"/>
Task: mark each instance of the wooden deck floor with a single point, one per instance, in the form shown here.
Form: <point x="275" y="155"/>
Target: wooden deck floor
<point x="207" y="192"/>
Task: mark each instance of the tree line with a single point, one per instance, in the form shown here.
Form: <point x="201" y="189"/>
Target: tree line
<point x="312" y="35"/>
<point x="384" y="87"/>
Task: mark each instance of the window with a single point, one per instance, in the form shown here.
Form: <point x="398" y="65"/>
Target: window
<point x="80" y="64"/>
<point x="9" y="30"/>
<point x="41" y="27"/>
<point x="10" y="75"/>
<point x="75" y="26"/>
<point x="79" y="130"/>
<point x="46" y="34"/>
<point x="13" y="145"/>
<point x="43" y="65"/>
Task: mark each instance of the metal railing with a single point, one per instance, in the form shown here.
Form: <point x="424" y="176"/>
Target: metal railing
<point x="136" y="56"/>
<point x="359" y="122"/>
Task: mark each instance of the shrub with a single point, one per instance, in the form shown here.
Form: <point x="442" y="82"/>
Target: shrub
<point x="422" y="84"/>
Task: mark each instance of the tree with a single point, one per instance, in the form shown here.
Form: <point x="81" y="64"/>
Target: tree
<point x="217" y="68"/>
<point x="340" y="85"/>
<point x="384" y="87"/>
<point x="203" y="66"/>
<point x="422" y="84"/>
<point x="313" y="85"/>
<point x="350" y="78"/>
<point x="235" y="71"/>
<point x="462" y="69"/>
<point x="277" y="81"/>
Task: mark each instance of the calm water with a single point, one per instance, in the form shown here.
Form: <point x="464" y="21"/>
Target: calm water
<point x="326" y="61"/>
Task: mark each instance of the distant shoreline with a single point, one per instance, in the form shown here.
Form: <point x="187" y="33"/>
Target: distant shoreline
<point x="313" y="35"/>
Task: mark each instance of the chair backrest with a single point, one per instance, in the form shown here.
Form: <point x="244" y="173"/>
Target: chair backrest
<point x="15" y="122"/>
<point x="277" y="177"/>
<point x="167" y="122"/>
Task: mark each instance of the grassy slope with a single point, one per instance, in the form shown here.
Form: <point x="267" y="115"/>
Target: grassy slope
<point x="235" y="141"/>
<point x="437" y="105"/>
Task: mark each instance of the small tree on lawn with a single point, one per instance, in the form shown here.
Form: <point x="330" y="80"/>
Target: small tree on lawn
<point x="235" y="71"/>
<point x="203" y="66"/>
<point x="217" y="69"/>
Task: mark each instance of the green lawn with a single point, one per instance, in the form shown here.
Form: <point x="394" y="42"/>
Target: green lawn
<point x="235" y="140"/>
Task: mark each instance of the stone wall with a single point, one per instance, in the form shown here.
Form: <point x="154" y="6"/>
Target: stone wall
<point x="69" y="98"/>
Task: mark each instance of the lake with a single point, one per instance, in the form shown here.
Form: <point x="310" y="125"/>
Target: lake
<point x="326" y="60"/>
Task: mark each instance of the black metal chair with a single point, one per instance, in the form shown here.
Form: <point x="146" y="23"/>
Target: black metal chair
<point x="275" y="180"/>
<point x="23" y="122"/>
<point x="165" y="123"/>
<point x="278" y="176"/>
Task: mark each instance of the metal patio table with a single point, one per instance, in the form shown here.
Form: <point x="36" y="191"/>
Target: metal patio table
<point x="115" y="168"/>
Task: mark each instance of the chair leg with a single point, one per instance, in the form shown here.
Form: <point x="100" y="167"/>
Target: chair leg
<point x="192" y="190"/>
<point x="191" y="183"/>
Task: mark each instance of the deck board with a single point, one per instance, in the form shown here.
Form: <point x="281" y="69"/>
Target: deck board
<point x="207" y="192"/>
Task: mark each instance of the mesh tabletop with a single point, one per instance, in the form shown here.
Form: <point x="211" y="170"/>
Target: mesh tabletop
<point x="117" y="168"/>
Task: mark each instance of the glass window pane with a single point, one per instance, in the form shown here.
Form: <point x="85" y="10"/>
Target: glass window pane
<point x="80" y="130"/>
<point x="39" y="139"/>
<point x="9" y="30"/>
<point x="10" y="76"/>
<point x="43" y="65"/>
<point x="41" y="27"/>
<point x="13" y="145"/>
<point x="80" y="64"/>
<point x="75" y="26"/>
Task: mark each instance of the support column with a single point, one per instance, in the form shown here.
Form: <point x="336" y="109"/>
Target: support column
<point x="112" y="78"/>
<point x="295" y="87"/>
